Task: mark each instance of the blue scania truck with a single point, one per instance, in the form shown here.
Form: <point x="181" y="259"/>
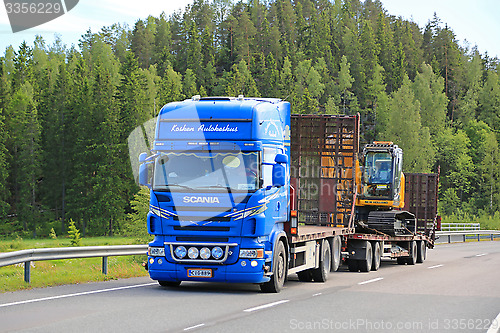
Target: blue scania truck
<point x="243" y="191"/>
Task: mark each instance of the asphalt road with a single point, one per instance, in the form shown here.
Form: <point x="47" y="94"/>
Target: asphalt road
<point x="456" y="289"/>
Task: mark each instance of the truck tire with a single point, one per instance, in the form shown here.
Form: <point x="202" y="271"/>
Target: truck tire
<point x="377" y="256"/>
<point x="169" y="283"/>
<point x="320" y="274"/>
<point x="412" y="259"/>
<point x="305" y="276"/>
<point x="422" y="252"/>
<point x="352" y="265"/>
<point x="336" y="254"/>
<point x="365" y="265"/>
<point x="280" y="270"/>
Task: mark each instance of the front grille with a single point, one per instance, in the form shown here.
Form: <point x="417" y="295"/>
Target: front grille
<point x="201" y="228"/>
<point x="202" y="218"/>
<point x="204" y="239"/>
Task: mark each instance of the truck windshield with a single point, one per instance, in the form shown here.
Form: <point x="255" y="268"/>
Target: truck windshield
<point x="377" y="176"/>
<point x="180" y="171"/>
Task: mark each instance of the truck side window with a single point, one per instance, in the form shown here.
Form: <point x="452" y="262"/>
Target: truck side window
<point x="269" y="154"/>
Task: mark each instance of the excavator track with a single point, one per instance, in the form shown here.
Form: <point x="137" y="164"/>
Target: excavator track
<point x="390" y="222"/>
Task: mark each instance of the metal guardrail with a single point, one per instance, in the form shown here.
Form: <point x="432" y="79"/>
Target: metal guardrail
<point x="463" y="236"/>
<point x="452" y="226"/>
<point x="27" y="256"/>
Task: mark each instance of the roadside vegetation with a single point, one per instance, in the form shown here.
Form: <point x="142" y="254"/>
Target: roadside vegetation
<point x="68" y="271"/>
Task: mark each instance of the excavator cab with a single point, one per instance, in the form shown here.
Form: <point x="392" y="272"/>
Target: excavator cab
<point x="381" y="180"/>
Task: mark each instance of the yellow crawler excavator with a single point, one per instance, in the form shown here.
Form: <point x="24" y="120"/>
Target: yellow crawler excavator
<point x="380" y="192"/>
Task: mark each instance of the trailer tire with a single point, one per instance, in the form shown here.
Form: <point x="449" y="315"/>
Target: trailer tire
<point x="365" y="265"/>
<point x="320" y="274"/>
<point x="422" y="252"/>
<point x="336" y="254"/>
<point x="169" y="283"/>
<point x="352" y="265"/>
<point x="280" y="271"/>
<point x="412" y="259"/>
<point x="377" y="255"/>
<point x="305" y="276"/>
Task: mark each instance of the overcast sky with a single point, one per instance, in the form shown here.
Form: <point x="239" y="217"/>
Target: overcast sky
<point x="477" y="21"/>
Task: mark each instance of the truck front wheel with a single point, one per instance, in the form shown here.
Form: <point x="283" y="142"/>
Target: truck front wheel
<point x="280" y="270"/>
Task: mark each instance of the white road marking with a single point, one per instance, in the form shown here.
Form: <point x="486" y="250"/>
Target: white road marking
<point x="370" y="281"/>
<point x="260" y="307"/>
<point x="436" y="266"/>
<point x="193" y="327"/>
<point x="317" y="294"/>
<point x="75" y="294"/>
<point x="495" y="325"/>
<point x="480" y="255"/>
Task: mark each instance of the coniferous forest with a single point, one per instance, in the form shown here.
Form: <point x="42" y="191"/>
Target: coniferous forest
<point x="66" y="111"/>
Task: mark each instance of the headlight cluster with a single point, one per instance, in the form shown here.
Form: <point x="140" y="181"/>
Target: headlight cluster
<point x="252" y="253"/>
<point x="204" y="253"/>
<point x="156" y="251"/>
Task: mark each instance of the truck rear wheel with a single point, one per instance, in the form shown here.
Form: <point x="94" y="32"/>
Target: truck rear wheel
<point x="320" y="274"/>
<point x="377" y="255"/>
<point x="412" y="259"/>
<point x="336" y="254"/>
<point x="280" y="270"/>
<point x="422" y="252"/>
<point x="365" y="265"/>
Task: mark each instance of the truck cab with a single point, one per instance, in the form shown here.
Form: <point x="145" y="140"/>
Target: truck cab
<point x="219" y="179"/>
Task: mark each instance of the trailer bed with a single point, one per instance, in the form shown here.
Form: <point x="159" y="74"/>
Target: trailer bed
<point x="312" y="232"/>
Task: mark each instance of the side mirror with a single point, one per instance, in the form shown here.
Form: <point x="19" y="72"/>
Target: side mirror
<point x="281" y="158"/>
<point x="142" y="157"/>
<point x="144" y="175"/>
<point x="279" y="175"/>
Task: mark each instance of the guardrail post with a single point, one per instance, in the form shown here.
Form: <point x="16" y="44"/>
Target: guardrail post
<point x="465" y="238"/>
<point x="27" y="271"/>
<point x="491" y="237"/>
<point x="478" y="237"/>
<point x="449" y="239"/>
<point x="105" y="265"/>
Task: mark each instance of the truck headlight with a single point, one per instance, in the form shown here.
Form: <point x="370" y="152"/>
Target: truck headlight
<point x="252" y="253"/>
<point x="156" y="251"/>
<point x="217" y="252"/>
<point x="193" y="253"/>
<point x="205" y="253"/>
<point x="180" y="252"/>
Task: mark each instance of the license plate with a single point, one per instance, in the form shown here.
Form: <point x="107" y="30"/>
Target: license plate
<point x="200" y="273"/>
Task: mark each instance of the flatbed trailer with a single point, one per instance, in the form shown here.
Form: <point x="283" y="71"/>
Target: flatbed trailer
<point x="324" y="150"/>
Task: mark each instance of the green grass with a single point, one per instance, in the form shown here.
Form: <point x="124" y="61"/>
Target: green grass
<point x="70" y="271"/>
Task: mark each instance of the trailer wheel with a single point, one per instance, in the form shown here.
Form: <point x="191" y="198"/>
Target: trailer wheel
<point x="169" y="283"/>
<point x="336" y="255"/>
<point x="365" y="265"/>
<point x="352" y="264"/>
<point x="320" y="274"/>
<point x="377" y="255"/>
<point x="305" y="276"/>
<point x="412" y="259"/>
<point x="280" y="270"/>
<point x="422" y="252"/>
